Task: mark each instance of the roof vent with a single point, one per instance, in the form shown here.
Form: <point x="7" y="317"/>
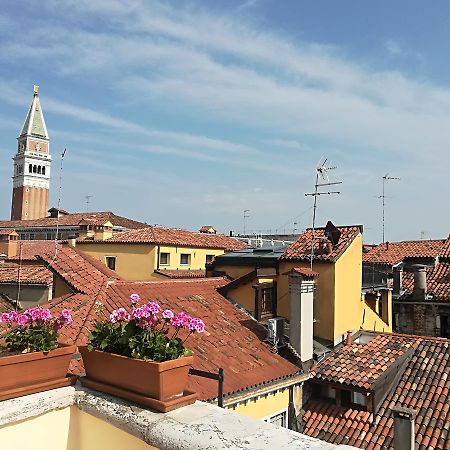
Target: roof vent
<point x="275" y="331"/>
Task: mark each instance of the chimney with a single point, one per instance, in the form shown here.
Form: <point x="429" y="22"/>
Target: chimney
<point x="387" y="245"/>
<point x="72" y="242"/>
<point x="349" y="338"/>
<point x="329" y="248"/>
<point x="301" y="297"/>
<point x="398" y="280"/>
<point x="9" y="244"/>
<point x="420" y="282"/>
<point x="404" y="428"/>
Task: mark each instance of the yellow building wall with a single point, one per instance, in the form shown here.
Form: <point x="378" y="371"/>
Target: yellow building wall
<point x="348" y="275"/>
<point x="264" y="406"/>
<point x="134" y="262"/>
<point x="49" y="431"/>
<point x="90" y="433"/>
<point x="137" y="262"/>
<point x="67" y="429"/>
<point x="197" y="257"/>
<point x="323" y="296"/>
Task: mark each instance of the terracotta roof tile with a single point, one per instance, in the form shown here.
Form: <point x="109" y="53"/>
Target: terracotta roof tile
<point x="182" y="273"/>
<point x="394" y="252"/>
<point x="177" y="236"/>
<point x="73" y="219"/>
<point x="232" y="339"/>
<point x="360" y="365"/>
<point x="427" y="367"/>
<point x="29" y="274"/>
<point x="79" y="270"/>
<point x="304" y="271"/>
<point x="27" y="250"/>
<point x="301" y="248"/>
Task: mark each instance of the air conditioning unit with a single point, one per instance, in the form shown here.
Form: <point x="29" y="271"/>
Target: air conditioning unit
<point x="275" y="331"/>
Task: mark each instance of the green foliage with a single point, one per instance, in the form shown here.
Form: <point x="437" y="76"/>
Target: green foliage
<point x="35" y="338"/>
<point x="128" y="339"/>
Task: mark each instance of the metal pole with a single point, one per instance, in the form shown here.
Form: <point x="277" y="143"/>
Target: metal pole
<point x="314" y="219"/>
<point x="220" y="389"/>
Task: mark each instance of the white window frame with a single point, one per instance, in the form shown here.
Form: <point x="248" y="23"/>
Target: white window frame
<point x="189" y="259"/>
<point x="273" y="415"/>
<point x="168" y="259"/>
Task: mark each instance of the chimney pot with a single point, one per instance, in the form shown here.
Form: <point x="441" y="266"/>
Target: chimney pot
<point x="349" y="338"/>
<point x="420" y="282"/>
<point x="404" y="428"/>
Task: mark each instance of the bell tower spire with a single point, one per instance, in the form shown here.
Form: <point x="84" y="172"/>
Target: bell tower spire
<point x="31" y="178"/>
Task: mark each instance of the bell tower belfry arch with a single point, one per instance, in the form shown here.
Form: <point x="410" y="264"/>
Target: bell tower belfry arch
<point x="32" y="163"/>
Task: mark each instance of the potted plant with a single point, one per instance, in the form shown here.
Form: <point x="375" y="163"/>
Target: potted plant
<point x="139" y="355"/>
<point x="30" y="358"/>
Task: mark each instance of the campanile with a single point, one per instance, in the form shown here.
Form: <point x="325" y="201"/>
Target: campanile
<point x="31" y="179"/>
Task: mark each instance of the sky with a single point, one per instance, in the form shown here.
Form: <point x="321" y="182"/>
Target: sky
<point x="186" y="113"/>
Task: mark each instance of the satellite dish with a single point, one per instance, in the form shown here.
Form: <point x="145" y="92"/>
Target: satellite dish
<point x="332" y="233"/>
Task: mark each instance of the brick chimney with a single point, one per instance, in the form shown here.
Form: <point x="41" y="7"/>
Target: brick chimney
<point x="301" y="298"/>
<point x="404" y="428"/>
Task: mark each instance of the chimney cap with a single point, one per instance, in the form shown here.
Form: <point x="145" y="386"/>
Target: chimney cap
<point x="303" y="271"/>
<point x="403" y="412"/>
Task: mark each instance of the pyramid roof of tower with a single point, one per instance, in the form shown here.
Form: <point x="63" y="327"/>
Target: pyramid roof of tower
<point x="34" y="124"/>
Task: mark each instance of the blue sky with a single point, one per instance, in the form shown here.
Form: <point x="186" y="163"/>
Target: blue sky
<point x="186" y="113"/>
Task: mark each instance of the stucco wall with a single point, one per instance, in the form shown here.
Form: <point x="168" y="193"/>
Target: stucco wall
<point x="30" y="295"/>
<point x="137" y="262"/>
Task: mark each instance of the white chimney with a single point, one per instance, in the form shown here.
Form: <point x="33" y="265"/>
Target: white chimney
<point x="420" y="282"/>
<point x="301" y="299"/>
<point x="404" y="428"/>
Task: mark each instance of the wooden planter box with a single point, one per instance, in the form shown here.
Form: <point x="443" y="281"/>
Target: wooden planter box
<point x="158" y="385"/>
<point x="28" y="373"/>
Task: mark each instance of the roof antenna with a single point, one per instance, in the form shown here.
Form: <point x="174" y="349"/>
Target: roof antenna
<point x="322" y="179"/>
<point x="88" y="201"/>
<point x="383" y="197"/>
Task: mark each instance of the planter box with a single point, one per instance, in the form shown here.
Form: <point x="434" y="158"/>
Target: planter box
<point x="28" y="373"/>
<point x="158" y="385"/>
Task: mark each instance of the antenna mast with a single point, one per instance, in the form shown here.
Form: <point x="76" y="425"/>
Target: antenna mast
<point x="383" y="197"/>
<point x="88" y="201"/>
<point x="322" y="172"/>
<point x="246" y="216"/>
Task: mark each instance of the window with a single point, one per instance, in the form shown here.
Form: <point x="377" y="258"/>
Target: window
<point x="280" y="419"/>
<point x="39" y="169"/>
<point x="164" y="259"/>
<point x="209" y="259"/>
<point x="43" y="170"/>
<point x="30" y="168"/>
<point x="185" y="259"/>
<point x="111" y="262"/>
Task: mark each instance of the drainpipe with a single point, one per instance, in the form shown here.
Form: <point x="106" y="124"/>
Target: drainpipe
<point x="157" y="261"/>
<point x="404" y="428"/>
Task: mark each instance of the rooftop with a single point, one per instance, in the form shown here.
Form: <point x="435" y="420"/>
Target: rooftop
<point x="301" y="248"/>
<point x="176" y="236"/>
<point x="422" y="384"/>
<point x="232" y="341"/>
<point x="28" y="274"/>
<point x="361" y="365"/>
<point x="394" y="252"/>
<point x="181" y="273"/>
<point x="72" y="220"/>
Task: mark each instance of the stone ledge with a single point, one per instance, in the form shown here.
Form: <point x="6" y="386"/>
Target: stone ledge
<point x="198" y="426"/>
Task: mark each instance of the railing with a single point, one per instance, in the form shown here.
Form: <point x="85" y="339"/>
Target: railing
<point x="219" y="376"/>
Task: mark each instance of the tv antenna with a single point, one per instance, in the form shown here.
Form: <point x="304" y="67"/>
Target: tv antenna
<point x="383" y="197"/>
<point x="322" y="180"/>
<point x="88" y="201"/>
<point x="246" y="216"/>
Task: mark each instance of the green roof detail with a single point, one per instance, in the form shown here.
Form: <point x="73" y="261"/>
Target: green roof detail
<point x="34" y="124"/>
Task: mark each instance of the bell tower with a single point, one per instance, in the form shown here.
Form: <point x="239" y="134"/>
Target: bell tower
<point x="31" y="179"/>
